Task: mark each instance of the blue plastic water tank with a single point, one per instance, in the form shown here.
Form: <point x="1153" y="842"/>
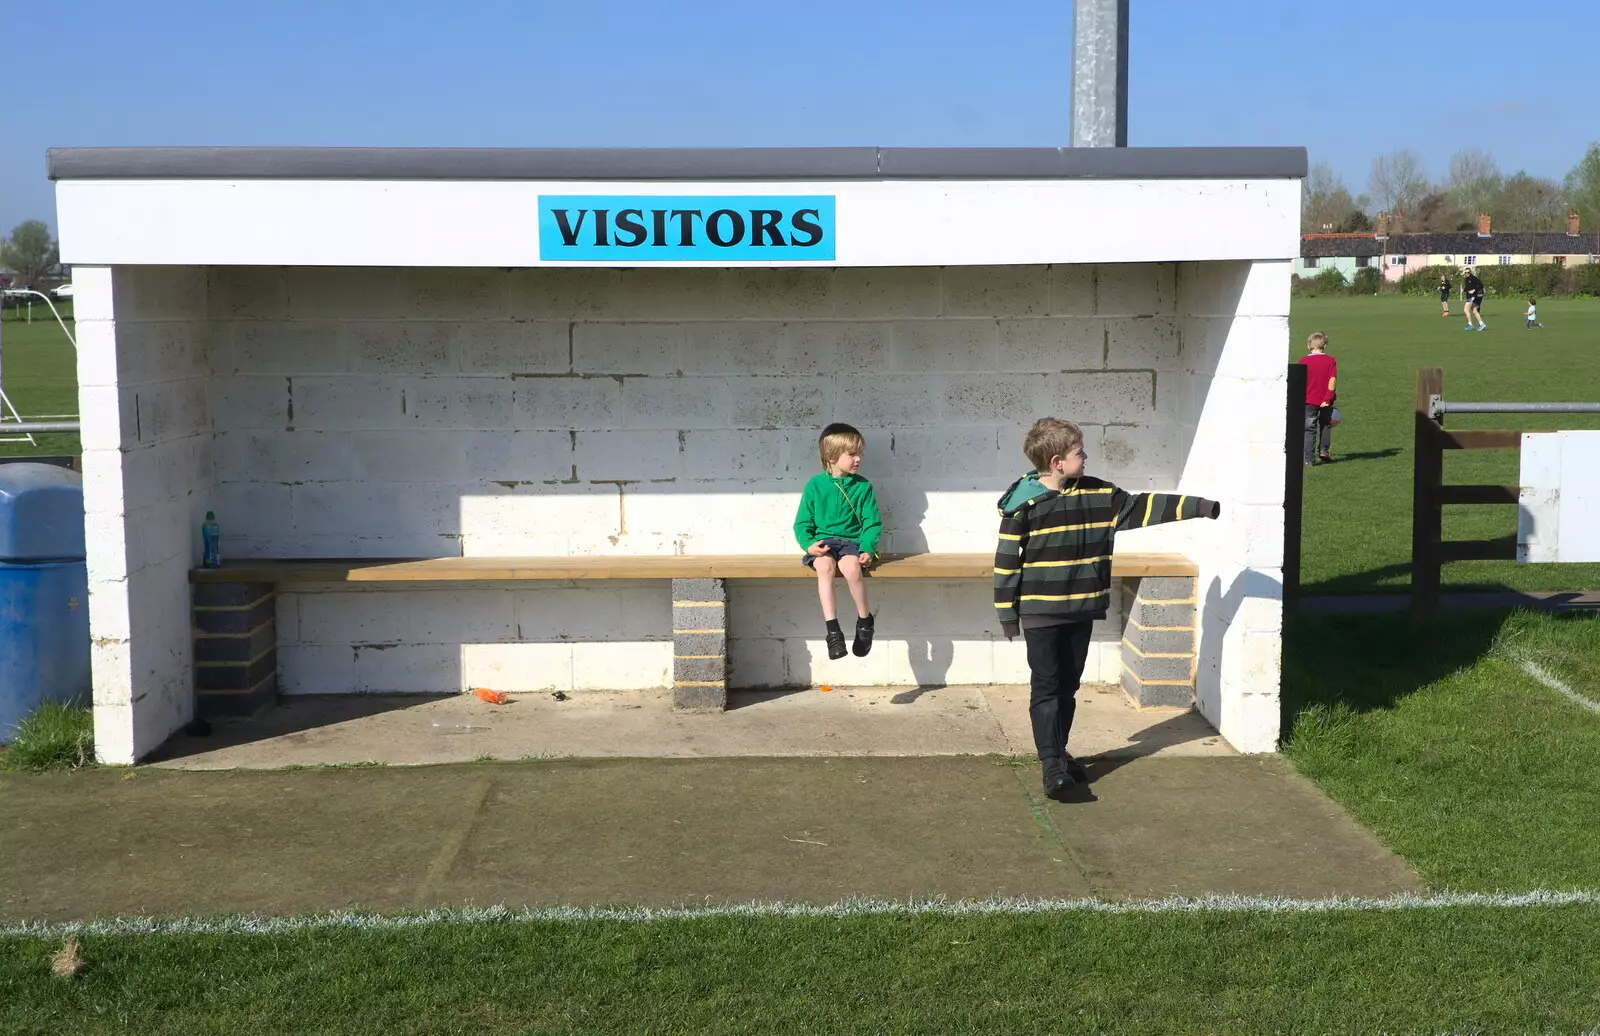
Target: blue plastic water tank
<point x="44" y="591"/>
<point x="41" y="513"/>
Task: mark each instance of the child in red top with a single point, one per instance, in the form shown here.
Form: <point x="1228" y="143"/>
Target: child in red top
<point x="1321" y="372"/>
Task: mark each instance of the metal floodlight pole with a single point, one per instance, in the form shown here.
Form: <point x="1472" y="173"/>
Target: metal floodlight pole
<point x="1100" y="73"/>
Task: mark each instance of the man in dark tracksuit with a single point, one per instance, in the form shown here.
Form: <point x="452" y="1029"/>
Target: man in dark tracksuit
<point x="1472" y="297"/>
<point x="1052" y="575"/>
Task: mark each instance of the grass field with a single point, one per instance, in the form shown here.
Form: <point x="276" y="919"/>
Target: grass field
<point x="1357" y="532"/>
<point x="1434" y="737"/>
<point x="40" y="375"/>
<point x="1460" y="970"/>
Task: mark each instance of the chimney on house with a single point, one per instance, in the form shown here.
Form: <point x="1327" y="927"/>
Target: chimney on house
<point x="1399" y="220"/>
<point x="1483" y="224"/>
<point x="1572" y="222"/>
<point x="1383" y="224"/>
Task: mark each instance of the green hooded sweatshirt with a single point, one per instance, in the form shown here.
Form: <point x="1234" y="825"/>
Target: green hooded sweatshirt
<point x="844" y="508"/>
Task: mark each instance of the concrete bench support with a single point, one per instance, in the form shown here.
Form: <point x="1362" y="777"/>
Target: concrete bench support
<point x="1158" y="645"/>
<point x="235" y="648"/>
<point x="699" y="643"/>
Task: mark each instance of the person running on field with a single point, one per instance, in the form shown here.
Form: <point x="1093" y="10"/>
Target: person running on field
<point x="1472" y="298"/>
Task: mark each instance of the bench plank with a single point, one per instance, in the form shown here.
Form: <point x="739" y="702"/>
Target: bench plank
<point x="709" y="566"/>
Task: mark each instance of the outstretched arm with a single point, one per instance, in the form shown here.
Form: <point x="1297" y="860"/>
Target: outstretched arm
<point x="1141" y="510"/>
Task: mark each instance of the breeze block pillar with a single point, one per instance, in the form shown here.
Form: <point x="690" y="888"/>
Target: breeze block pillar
<point x="699" y="644"/>
<point x="1158" y="644"/>
<point x="235" y="648"/>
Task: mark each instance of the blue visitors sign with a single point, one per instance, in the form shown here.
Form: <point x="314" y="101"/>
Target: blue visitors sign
<point x="672" y="228"/>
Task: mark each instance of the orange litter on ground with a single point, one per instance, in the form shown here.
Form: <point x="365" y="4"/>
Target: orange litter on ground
<point x="826" y="688"/>
<point x="492" y="697"/>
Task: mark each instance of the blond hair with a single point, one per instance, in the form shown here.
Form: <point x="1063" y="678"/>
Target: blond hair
<point x="1050" y="437"/>
<point x="838" y="439"/>
<point x="1317" y="340"/>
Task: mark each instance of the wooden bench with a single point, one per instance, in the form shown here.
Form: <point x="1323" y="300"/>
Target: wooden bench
<point x="235" y="633"/>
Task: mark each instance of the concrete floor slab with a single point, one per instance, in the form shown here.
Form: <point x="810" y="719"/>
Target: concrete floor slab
<point x="667" y="832"/>
<point x="1250" y="825"/>
<point x="411" y="730"/>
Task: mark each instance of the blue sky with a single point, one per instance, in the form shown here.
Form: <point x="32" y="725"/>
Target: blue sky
<point x="1347" y="80"/>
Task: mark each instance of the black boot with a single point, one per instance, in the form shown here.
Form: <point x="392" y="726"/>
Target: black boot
<point x="863" y="642"/>
<point x="1057" y="781"/>
<point x="836" y="648"/>
<point x="1075" y="769"/>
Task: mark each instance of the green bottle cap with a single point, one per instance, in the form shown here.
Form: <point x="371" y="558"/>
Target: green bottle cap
<point x="211" y="516"/>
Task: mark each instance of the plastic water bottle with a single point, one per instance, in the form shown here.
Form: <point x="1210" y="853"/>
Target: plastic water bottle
<point x="211" y="537"/>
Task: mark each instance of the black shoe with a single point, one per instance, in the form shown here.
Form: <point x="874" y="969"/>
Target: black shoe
<point x="1076" y="770"/>
<point x="836" y="648"/>
<point x="863" y="642"/>
<point x="1057" y="781"/>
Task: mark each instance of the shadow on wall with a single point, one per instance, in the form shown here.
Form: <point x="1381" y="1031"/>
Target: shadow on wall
<point x="1221" y="608"/>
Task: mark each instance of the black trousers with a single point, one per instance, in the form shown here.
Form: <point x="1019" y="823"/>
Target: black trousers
<point x="1317" y="427"/>
<point x="1056" y="657"/>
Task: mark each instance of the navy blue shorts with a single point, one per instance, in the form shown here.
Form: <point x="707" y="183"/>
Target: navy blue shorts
<point x="837" y="549"/>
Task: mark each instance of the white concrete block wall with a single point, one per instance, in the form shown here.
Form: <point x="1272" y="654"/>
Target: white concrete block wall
<point x="518" y="637"/>
<point x="385" y="412"/>
<point x="551" y="383"/>
<point x="928" y="633"/>
<point x="568" y="412"/>
<point x="1234" y="322"/>
<point x="143" y="369"/>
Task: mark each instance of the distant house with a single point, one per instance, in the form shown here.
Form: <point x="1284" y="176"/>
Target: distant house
<point x="1346" y="253"/>
<point x="1396" y="253"/>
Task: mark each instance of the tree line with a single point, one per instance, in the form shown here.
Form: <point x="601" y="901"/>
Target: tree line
<point x="30" y="252"/>
<point x="1399" y="182"/>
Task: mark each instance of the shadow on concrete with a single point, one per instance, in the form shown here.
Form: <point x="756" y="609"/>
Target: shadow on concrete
<point x="749" y="699"/>
<point x="291" y="715"/>
<point x="1147" y="742"/>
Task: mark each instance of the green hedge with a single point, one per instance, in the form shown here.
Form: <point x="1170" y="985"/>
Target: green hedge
<point x="1540" y="280"/>
<point x="1330" y="281"/>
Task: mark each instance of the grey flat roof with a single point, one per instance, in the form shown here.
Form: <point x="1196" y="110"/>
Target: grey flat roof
<point x="800" y="163"/>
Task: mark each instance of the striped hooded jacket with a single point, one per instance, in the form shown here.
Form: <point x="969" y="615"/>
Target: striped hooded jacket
<point x="1054" y="557"/>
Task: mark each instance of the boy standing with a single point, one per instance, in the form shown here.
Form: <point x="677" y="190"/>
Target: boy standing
<point x="1052" y="575"/>
<point x="1322" y="371"/>
<point x="1533" y="313"/>
<point x="838" y="524"/>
